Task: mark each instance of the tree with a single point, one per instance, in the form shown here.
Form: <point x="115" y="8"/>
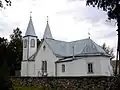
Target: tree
<point x="14" y="51"/>
<point x="112" y="7"/>
<point x="8" y="3"/>
<point x="3" y="46"/>
<point x="4" y="69"/>
<point x="108" y="50"/>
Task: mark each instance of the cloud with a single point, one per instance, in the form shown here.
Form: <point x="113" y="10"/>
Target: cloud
<point x="69" y="20"/>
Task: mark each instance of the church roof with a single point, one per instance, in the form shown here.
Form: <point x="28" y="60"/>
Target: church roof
<point x="30" y="29"/>
<point x="62" y="49"/>
<point x="81" y="47"/>
<point x="47" y="33"/>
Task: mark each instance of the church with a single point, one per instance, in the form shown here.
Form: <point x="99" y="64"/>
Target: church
<point x="60" y="58"/>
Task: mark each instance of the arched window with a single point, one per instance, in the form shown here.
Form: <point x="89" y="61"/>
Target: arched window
<point x="25" y="43"/>
<point x="32" y="44"/>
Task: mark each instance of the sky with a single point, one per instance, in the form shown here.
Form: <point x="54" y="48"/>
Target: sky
<point x="69" y="20"/>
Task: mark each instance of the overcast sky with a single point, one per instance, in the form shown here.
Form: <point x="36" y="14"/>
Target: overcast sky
<point x="69" y="20"/>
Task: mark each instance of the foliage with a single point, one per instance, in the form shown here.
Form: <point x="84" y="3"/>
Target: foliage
<point x="14" y="50"/>
<point x="67" y="83"/>
<point x="108" y="50"/>
<point x="111" y="6"/>
<point x="3" y="46"/>
<point x="4" y="69"/>
<point x="11" y="56"/>
<point x="8" y="3"/>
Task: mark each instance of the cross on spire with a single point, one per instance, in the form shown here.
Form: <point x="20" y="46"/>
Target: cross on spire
<point x="30" y="14"/>
<point x="47" y="19"/>
<point x="88" y="34"/>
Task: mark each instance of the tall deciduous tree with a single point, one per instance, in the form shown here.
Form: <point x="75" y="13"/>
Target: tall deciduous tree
<point x="3" y="46"/>
<point x="112" y="7"/>
<point x="14" y="50"/>
<point x="108" y="50"/>
<point x="4" y="69"/>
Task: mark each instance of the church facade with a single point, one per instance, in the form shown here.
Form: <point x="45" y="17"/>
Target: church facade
<point x="59" y="58"/>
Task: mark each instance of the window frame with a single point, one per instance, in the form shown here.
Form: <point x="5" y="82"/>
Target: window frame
<point x="63" y="68"/>
<point x="25" y="43"/>
<point x="32" y="43"/>
<point x="44" y="66"/>
<point x="90" y="69"/>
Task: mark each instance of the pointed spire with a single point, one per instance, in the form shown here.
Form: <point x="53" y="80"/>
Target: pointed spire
<point x="30" y="28"/>
<point x="47" y="33"/>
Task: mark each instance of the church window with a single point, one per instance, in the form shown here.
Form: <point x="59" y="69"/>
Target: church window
<point x="32" y="43"/>
<point x="90" y="67"/>
<point x="63" y="67"/>
<point x="44" y="67"/>
<point x="25" y="43"/>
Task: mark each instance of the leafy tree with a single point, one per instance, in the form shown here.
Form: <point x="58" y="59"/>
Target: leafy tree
<point x="112" y="7"/>
<point x="8" y="3"/>
<point x="14" y="50"/>
<point x="4" y="69"/>
<point x="3" y="46"/>
<point x="108" y="50"/>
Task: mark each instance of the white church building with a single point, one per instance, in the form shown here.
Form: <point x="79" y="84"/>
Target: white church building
<point x="59" y="58"/>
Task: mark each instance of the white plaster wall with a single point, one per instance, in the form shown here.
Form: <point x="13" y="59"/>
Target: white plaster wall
<point x="74" y="68"/>
<point x="27" y="68"/>
<point x="96" y="65"/>
<point x="106" y="67"/>
<point x="24" y="68"/>
<point x="80" y="68"/>
<point x="47" y="55"/>
<point x="31" y="68"/>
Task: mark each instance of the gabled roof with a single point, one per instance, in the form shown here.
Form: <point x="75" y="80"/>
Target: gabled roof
<point x="81" y="47"/>
<point x="30" y="29"/>
<point x="47" y="33"/>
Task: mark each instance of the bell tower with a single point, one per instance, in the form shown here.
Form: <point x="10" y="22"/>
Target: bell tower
<point x="29" y="49"/>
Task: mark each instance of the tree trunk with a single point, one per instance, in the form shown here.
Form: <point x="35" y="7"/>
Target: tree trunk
<point x="116" y="64"/>
<point x="118" y="50"/>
